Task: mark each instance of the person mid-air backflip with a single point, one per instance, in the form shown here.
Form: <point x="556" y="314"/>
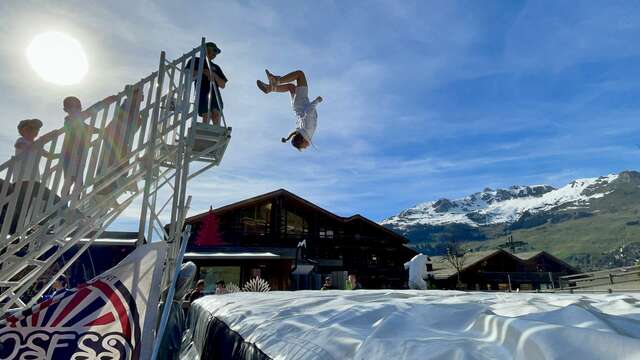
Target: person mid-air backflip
<point x="304" y="109"/>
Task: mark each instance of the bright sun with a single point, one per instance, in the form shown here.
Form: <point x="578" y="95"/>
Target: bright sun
<point x="57" y="58"/>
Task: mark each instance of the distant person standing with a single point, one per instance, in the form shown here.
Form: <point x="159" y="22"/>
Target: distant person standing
<point x="212" y="76"/>
<point x="352" y="283"/>
<point x="328" y="284"/>
<point x="27" y="171"/>
<point x="198" y="292"/>
<point x="221" y="288"/>
<point x="77" y="138"/>
<point x="27" y="152"/>
<point x="59" y="287"/>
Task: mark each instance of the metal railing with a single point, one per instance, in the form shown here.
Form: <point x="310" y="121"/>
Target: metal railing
<point x="63" y="188"/>
<point x="602" y="279"/>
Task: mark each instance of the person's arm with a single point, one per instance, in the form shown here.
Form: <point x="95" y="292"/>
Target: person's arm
<point x="219" y="81"/>
<point x="46" y="138"/>
<point x="50" y="135"/>
<point x="49" y="155"/>
<point x="291" y="134"/>
<point x="219" y="77"/>
<point x="93" y="109"/>
<point x="316" y="101"/>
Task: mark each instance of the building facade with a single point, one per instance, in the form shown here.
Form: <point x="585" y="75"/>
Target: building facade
<point x="501" y="270"/>
<point x="293" y="244"/>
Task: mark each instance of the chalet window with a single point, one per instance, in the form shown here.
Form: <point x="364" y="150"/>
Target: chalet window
<point x="255" y="220"/>
<point x="326" y="233"/>
<point x="213" y="274"/>
<point x="296" y="225"/>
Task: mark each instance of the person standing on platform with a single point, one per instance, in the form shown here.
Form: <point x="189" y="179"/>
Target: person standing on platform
<point x="212" y="80"/>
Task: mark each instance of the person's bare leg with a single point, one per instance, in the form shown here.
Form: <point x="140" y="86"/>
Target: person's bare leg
<point x="268" y="88"/>
<point x="297" y="76"/>
<point x="290" y="88"/>
<point x="215" y="117"/>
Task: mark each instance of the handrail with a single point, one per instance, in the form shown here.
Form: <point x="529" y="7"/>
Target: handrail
<point x="54" y="170"/>
<point x="601" y="278"/>
<point x="620" y="269"/>
<point x="66" y="187"/>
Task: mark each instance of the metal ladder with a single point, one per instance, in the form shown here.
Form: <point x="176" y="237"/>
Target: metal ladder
<point x="137" y="147"/>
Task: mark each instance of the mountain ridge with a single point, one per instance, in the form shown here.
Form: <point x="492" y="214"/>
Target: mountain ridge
<point x="502" y="205"/>
<point x="582" y="222"/>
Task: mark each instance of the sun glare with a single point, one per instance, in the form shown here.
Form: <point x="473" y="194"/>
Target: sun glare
<point x="57" y="58"/>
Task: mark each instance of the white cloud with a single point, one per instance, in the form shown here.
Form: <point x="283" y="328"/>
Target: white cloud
<point x="384" y="141"/>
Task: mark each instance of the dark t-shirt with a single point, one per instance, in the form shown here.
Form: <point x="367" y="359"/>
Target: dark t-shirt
<point x="195" y="295"/>
<point x="204" y="85"/>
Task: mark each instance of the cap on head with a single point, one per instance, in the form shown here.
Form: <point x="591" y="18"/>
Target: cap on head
<point x="29" y="123"/>
<point x="200" y="283"/>
<point x="214" y="47"/>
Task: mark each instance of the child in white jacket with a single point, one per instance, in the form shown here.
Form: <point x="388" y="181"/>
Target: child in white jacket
<point x="305" y="110"/>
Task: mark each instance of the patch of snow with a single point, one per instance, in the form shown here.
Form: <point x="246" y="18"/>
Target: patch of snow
<point x="500" y="206"/>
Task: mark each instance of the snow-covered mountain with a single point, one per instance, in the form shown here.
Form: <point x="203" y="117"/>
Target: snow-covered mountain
<point x="583" y="222"/>
<point x="490" y="207"/>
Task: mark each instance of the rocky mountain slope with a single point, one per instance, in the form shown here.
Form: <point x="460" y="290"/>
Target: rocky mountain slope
<point x="607" y="205"/>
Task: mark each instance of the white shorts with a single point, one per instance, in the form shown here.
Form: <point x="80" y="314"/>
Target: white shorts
<point x="300" y="100"/>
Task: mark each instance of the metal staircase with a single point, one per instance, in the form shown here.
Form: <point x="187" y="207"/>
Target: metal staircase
<point x="138" y="147"/>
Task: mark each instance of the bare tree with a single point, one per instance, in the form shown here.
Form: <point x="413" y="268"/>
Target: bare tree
<point x="456" y="256"/>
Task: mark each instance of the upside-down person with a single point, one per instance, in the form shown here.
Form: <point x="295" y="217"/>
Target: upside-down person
<point x="305" y="110"/>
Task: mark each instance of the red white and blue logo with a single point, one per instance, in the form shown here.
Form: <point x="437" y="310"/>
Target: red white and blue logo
<point x="97" y="320"/>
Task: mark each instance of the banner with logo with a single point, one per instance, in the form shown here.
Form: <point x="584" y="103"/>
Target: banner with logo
<point x="112" y="316"/>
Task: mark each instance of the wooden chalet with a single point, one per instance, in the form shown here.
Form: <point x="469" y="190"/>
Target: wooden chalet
<point x="501" y="270"/>
<point x="266" y="236"/>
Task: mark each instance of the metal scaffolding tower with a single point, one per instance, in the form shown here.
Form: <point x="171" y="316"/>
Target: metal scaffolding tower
<point x="64" y="189"/>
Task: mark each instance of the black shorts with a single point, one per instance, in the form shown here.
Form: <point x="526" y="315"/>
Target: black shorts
<point x="204" y="108"/>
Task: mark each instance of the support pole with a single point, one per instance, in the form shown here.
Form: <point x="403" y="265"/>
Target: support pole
<point x="150" y="153"/>
<point x="172" y="288"/>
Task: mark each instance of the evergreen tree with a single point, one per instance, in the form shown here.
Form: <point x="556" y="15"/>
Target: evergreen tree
<point x="209" y="233"/>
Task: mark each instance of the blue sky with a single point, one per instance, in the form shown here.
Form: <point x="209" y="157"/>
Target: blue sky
<point x="423" y="99"/>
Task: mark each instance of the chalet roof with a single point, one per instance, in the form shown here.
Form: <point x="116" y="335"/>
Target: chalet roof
<point x="528" y="256"/>
<point x="304" y="202"/>
<point x="442" y="269"/>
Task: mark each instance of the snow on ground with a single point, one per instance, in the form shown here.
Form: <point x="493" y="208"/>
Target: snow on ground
<point x="490" y="206"/>
<point x="405" y="324"/>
